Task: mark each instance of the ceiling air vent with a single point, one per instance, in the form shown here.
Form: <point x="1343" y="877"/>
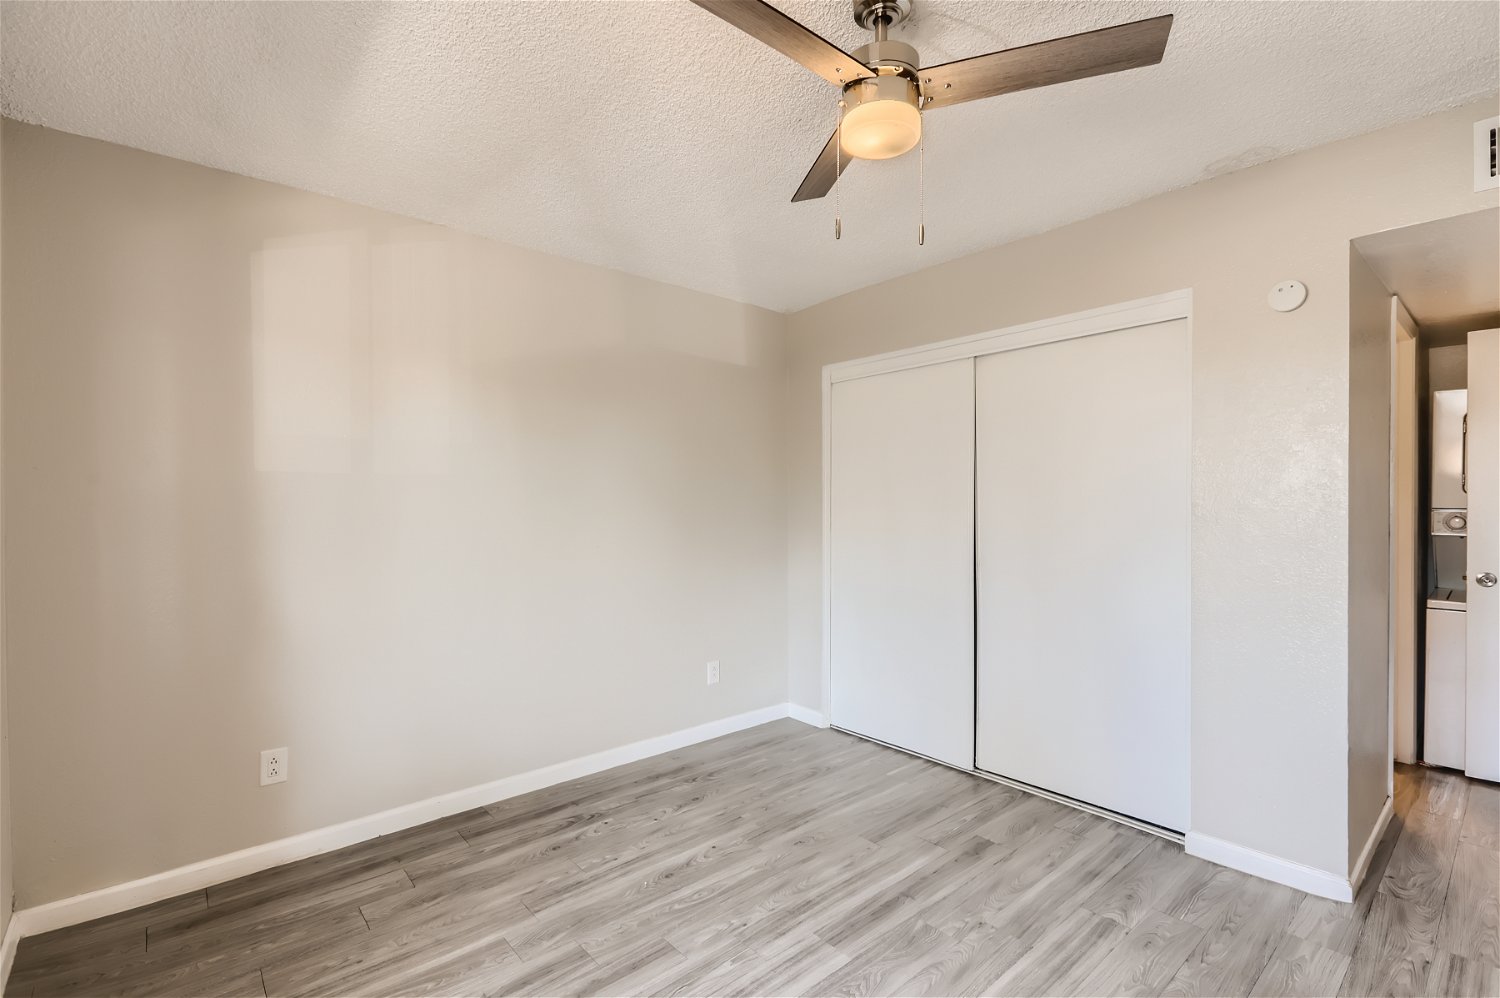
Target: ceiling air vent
<point x="1486" y="168"/>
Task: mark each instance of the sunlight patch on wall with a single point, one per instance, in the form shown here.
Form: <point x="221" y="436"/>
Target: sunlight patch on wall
<point x="412" y="319"/>
<point x="302" y="342"/>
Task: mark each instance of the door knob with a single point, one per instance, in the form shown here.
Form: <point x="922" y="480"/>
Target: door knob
<point x="1486" y="579"/>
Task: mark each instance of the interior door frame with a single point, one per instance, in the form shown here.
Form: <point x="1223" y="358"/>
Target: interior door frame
<point x="1404" y="513"/>
<point x="1166" y="307"/>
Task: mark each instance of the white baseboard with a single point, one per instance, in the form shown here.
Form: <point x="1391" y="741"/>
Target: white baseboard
<point x="208" y="872"/>
<point x="1268" y="867"/>
<point x="806" y="715"/>
<point x="1362" y="865"/>
<point x="8" y="948"/>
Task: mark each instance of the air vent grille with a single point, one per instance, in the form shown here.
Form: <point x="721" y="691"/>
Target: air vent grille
<point x="1486" y="150"/>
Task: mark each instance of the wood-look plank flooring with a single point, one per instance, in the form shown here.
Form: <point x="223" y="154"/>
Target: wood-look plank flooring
<point x="786" y="860"/>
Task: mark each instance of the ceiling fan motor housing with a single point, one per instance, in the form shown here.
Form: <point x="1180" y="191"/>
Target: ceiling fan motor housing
<point x="897" y="87"/>
<point x="896" y="79"/>
<point x="882" y="114"/>
<point x="888" y="56"/>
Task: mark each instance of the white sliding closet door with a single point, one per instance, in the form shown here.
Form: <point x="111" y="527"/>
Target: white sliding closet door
<point x="1082" y="492"/>
<point x="902" y="589"/>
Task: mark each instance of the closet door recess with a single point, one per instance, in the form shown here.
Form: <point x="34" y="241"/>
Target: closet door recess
<point x="902" y="573"/>
<point x="1083" y="510"/>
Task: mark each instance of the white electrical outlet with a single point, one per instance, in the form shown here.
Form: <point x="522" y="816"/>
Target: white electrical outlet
<point x="273" y="766"/>
<point x="713" y="672"/>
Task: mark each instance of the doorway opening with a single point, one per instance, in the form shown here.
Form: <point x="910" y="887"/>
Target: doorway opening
<point x="1421" y="299"/>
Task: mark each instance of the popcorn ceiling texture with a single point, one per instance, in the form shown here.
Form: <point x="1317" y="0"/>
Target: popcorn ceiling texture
<point x="651" y="137"/>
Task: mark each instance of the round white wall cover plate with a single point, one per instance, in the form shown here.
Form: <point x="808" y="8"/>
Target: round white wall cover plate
<point x="1287" y="296"/>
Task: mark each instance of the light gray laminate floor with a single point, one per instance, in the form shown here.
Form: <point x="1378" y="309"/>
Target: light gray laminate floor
<point x="787" y="860"/>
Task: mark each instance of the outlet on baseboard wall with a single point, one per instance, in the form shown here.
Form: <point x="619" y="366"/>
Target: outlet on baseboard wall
<point x="713" y="672"/>
<point x="273" y="766"/>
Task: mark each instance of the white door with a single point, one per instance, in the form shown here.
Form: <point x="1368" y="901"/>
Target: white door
<point x="902" y="575"/>
<point x="1083" y="511"/>
<point x="1482" y="697"/>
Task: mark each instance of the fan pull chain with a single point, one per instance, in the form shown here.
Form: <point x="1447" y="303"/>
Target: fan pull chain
<point x="838" y="169"/>
<point x="922" y="185"/>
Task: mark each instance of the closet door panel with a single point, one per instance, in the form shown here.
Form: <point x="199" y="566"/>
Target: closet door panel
<point x="902" y="515"/>
<point x="1083" y="511"/>
<point x="1481" y="693"/>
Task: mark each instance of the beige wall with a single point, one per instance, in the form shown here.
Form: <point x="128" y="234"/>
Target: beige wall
<point x="427" y="510"/>
<point x="1271" y="677"/>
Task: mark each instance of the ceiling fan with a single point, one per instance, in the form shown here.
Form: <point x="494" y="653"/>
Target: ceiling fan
<point x="885" y="89"/>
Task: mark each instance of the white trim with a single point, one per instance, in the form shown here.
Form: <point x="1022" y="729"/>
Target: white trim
<point x="806" y="715"/>
<point x="1125" y="315"/>
<point x="1192" y="480"/>
<point x="1403" y="331"/>
<point x="1362" y="865"/>
<point x="206" y="873"/>
<point x="1109" y="319"/>
<point x="1392" y="536"/>
<point x="827" y="618"/>
<point x="8" y="948"/>
<point x="1393" y="365"/>
<point x="1268" y="867"/>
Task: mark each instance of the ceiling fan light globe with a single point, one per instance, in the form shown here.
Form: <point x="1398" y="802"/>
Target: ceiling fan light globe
<point x="881" y="129"/>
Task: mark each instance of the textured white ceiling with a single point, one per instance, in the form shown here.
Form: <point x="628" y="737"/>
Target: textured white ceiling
<point x="648" y="136"/>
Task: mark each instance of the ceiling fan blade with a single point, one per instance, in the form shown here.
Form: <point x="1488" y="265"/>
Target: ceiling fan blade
<point x="1074" y="57"/>
<point x="765" y="23"/>
<point x="825" y="170"/>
